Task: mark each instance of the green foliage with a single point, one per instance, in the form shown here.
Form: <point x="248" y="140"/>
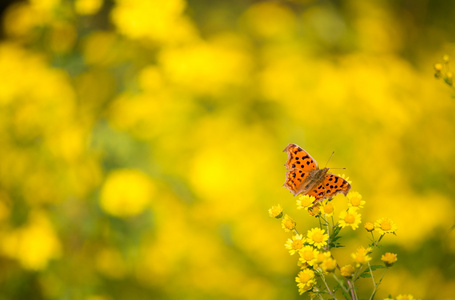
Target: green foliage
<point x="333" y="241"/>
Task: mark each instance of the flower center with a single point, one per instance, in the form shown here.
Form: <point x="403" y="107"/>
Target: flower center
<point x="328" y="208"/>
<point x="304" y="277"/>
<point x="355" y="201"/>
<point x="360" y="258"/>
<point x="289" y="224"/>
<point x="317" y="237"/>
<point x="297" y="244"/>
<point x="385" y="225"/>
<point x="308" y="255"/>
<point x="349" y="219"/>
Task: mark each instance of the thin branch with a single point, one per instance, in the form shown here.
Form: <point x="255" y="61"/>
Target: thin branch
<point x="327" y="286"/>
<point x="352" y="289"/>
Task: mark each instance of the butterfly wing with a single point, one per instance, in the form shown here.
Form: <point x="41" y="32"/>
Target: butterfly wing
<point x="329" y="187"/>
<point x="299" y="165"/>
<point x="299" y="158"/>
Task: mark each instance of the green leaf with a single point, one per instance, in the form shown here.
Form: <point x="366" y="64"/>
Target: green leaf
<point x="375" y="267"/>
<point x="367" y="274"/>
<point x="335" y="237"/>
<point x="336" y="231"/>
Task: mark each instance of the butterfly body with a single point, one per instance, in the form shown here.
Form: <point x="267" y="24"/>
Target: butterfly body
<point x="305" y="177"/>
<point x="313" y="178"/>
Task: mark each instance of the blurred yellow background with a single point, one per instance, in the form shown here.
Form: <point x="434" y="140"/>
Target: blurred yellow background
<point x="141" y="142"/>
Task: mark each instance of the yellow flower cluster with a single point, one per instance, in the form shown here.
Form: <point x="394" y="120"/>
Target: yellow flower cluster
<point x="315" y="247"/>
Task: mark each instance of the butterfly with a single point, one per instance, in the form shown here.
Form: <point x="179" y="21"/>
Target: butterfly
<point x="305" y="177"/>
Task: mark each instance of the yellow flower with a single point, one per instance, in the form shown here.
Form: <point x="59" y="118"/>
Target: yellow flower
<point x="389" y="258"/>
<point x="305" y="280"/>
<point x="369" y="226"/>
<point x="315" y="210"/>
<point x="361" y="256"/>
<point x="308" y="255"/>
<point x="329" y="264"/>
<point x="355" y="200"/>
<point x="295" y="244"/>
<point x="276" y="211"/>
<point x="317" y="237"/>
<point x="339" y="198"/>
<point x="322" y="256"/>
<point x="288" y="223"/>
<point x="87" y="7"/>
<point x="350" y="217"/>
<point x="305" y="201"/>
<point x="34" y="244"/>
<point x="327" y="209"/>
<point x="345" y="178"/>
<point x="385" y="225"/>
<point x="438" y="67"/>
<point x="126" y="193"/>
<point x="405" y="297"/>
<point x="347" y="270"/>
<point x="152" y="19"/>
<point x="302" y="265"/>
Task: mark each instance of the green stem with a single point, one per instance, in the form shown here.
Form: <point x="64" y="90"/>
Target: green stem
<point x="317" y="292"/>
<point x="341" y="283"/>
<point x="352" y="289"/>
<point x="328" y="233"/>
<point x="327" y="286"/>
<point x="376" y="284"/>
<point x="372" y="236"/>
<point x="357" y="273"/>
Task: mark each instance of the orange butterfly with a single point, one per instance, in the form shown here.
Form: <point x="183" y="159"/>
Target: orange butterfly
<point x="305" y="177"/>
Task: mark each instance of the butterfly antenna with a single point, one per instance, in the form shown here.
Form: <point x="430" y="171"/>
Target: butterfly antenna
<point x="328" y="163"/>
<point x="329" y="159"/>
